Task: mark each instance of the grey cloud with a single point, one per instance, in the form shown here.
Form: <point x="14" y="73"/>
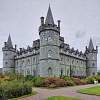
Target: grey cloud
<point x="80" y="34"/>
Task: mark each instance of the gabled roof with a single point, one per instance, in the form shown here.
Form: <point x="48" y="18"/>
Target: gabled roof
<point x="9" y="42"/>
<point x="49" y="18"/>
<point x="90" y="47"/>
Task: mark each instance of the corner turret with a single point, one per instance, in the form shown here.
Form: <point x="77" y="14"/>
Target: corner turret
<point x="91" y="55"/>
<point x="8" y="56"/>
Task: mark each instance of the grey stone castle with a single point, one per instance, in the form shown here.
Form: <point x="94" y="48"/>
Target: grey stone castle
<point x="49" y="55"/>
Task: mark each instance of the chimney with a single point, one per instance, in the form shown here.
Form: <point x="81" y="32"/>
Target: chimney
<point x="5" y="44"/>
<point x="15" y="47"/>
<point x="59" y="24"/>
<point x="42" y="21"/>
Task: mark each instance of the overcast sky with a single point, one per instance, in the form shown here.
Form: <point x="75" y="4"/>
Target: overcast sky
<point x="80" y="20"/>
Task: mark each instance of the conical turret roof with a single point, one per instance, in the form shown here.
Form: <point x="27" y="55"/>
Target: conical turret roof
<point x="9" y="42"/>
<point x="49" y="18"/>
<point x="90" y="47"/>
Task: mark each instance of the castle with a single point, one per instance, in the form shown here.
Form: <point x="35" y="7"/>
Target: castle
<point x="49" y="55"/>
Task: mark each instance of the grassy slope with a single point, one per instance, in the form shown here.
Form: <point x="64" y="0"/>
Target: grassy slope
<point x="91" y="91"/>
<point x="60" y="98"/>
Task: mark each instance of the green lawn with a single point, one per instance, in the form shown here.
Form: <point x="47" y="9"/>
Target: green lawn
<point x="60" y="98"/>
<point x="92" y="91"/>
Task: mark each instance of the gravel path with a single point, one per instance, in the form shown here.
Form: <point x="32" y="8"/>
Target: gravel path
<point x="68" y="91"/>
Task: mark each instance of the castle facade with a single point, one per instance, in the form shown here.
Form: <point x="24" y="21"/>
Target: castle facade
<point x="49" y="55"/>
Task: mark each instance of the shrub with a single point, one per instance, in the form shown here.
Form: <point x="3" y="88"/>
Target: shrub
<point x="97" y="77"/>
<point x="83" y="82"/>
<point x="66" y="78"/>
<point x="90" y="79"/>
<point x="29" y="77"/>
<point x="37" y="81"/>
<point x="54" y="82"/>
<point x="13" y="89"/>
<point x="70" y="83"/>
<point x="98" y="73"/>
<point x="78" y="81"/>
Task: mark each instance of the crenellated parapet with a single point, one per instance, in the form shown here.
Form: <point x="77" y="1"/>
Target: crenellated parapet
<point x="9" y="53"/>
<point x="29" y="51"/>
<point x="65" y="49"/>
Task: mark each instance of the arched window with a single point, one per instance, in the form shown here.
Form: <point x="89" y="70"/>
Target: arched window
<point x="49" y="71"/>
<point x="93" y="65"/>
<point x="6" y="63"/>
<point x="6" y="54"/>
<point x="61" y="72"/>
<point x="72" y="61"/>
<point x="28" y="72"/>
<point x="28" y="61"/>
<point x="93" y="73"/>
<point x="34" y="72"/>
<point x="49" y="53"/>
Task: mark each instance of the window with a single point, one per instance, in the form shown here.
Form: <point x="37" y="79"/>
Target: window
<point x="49" y="53"/>
<point x="6" y="54"/>
<point x="22" y="62"/>
<point x="49" y="38"/>
<point x="49" y="71"/>
<point x="6" y="63"/>
<point x="93" y="73"/>
<point x="72" y="61"/>
<point x="61" y="72"/>
<point x="61" y="58"/>
<point x="17" y="63"/>
<point x="28" y="72"/>
<point x="28" y="61"/>
<point x="33" y="59"/>
<point x="93" y="65"/>
<point x="34" y="72"/>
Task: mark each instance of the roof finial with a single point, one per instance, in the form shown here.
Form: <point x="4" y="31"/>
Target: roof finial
<point x="49" y="18"/>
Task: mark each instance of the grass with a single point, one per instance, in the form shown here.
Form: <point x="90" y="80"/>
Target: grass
<point x="60" y="98"/>
<point x="33" y="93"/>
<point x="91" y="91"/>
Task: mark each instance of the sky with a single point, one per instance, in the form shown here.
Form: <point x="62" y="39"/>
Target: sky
<point x="80" y="20"/>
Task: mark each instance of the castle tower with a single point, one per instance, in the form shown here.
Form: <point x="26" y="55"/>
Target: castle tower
<point x="49" y="46"/>
<point x="91" y="55"/>
<point x="8" y="56"/>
